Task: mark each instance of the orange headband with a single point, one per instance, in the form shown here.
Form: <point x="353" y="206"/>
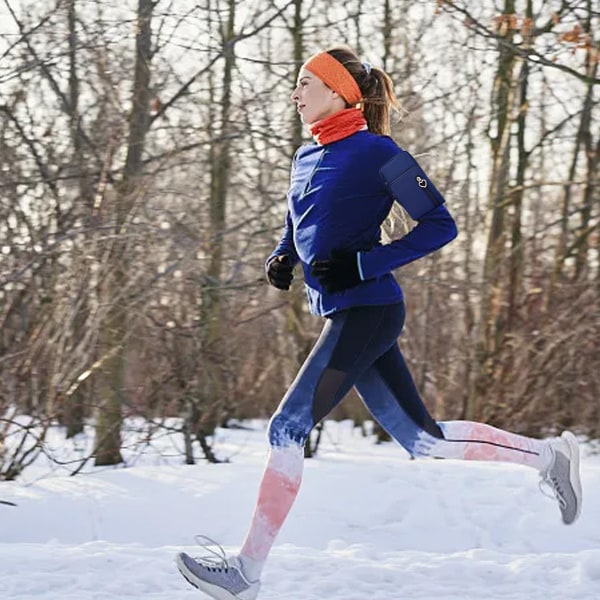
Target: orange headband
<point x="334" y="75"/>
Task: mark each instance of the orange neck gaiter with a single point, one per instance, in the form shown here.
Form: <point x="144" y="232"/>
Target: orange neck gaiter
<point x="338" y="126"/>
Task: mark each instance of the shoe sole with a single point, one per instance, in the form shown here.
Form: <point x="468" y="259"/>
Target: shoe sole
<point x="216" y="592"/>
<point x="574" y="473"/>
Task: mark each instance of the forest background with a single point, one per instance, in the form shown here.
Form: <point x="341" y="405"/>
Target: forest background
<point x="145" y="149"/>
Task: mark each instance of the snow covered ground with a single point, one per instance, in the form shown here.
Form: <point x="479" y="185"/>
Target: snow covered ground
<point x="368" y="524"/>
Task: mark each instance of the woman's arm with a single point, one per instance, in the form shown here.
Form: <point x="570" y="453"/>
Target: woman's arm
<point x="434" y="230"/>
<point x="286" y="246"/>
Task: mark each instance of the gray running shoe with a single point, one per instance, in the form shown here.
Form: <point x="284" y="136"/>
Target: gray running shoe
<point x="222" y="579"/>
<point x="562" y="476"/>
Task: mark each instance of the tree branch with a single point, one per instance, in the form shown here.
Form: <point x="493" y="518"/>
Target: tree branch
<point x="527" y="53"/>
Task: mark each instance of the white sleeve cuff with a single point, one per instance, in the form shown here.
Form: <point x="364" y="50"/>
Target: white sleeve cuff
<point x="360" y="269"/>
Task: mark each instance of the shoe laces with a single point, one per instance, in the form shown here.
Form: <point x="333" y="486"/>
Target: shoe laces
<point x="215" y="558"/>
<point x="550" y="486"/>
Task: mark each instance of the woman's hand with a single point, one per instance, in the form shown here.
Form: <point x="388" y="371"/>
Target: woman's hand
<point x="280" y="272"/>
<point x="338" y="273"/>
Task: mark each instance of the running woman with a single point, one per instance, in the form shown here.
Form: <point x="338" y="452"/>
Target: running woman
<point x="337" y="202"/>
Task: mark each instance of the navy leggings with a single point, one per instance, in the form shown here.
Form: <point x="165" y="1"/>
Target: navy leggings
<point x="357" y="347"/>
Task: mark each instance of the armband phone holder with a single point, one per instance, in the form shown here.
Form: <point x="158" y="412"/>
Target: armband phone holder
<point x="410" y="186"/>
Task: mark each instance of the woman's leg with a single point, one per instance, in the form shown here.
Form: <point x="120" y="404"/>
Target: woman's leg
<point x="390" y="394"/>
<point x="349" y="343"/>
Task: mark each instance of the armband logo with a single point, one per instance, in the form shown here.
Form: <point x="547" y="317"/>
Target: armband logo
<point x="422" y="182"/>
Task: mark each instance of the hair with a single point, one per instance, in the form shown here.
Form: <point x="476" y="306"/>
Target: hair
<point x="376" y="87"/>
<point x="379" y="102"/>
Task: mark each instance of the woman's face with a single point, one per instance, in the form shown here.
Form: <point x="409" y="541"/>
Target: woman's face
<point x="314" y="99"/>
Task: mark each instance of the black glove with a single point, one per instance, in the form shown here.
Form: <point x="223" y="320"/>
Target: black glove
<point x="280" y="272"/>
<point x="337" y="273"/>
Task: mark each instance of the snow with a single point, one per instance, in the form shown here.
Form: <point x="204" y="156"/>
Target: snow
<point x="368" y="523"/>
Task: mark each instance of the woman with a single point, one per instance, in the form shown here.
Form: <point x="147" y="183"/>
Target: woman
<point x="337" y="202"/>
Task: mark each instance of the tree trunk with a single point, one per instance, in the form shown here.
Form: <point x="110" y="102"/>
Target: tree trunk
<point x="212" y="335"/>
<point x="517" y="255"/>
<point x="116" y="324"/>
<point x="73" y="409"/>
<point x="592" y="162"/>
<point x="491" y="326"/>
